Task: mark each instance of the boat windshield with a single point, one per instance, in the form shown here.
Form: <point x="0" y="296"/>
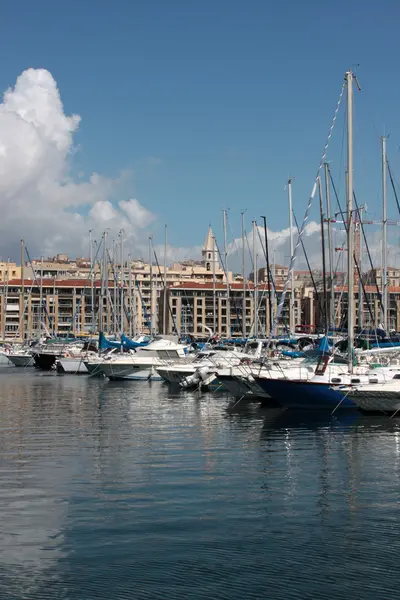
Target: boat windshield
<point x="203" y="355"/>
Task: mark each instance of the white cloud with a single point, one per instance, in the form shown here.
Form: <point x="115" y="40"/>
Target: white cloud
<point x="279" y="247"/>
<point x="40" y="200"/>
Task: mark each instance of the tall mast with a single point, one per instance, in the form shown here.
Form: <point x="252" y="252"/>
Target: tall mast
<point x="5" y="299"/>
<point x="214" y="293"/>
<point x="328" y="215"/>
<point x="103" y="279"/>
<point x="22" y="307"/>
<point x="255" y="278"/>
<point x="228" y="306"/>
<point x="129" y="269"/>
<point x="122" y="282"/>
<point x="41" y="295"/>
<point x="151" y="285"/>
<point x="115" y="279"/>
<point x="386" y="308"/>
<point x="268" y="276"/>
<point x="244" y="331"/>
<point x="350" y="234"/>
<point x="91" y="280"/>
<point x="321" y="208"/>
<point x="291" y="314"/>
<point x="165" y="284"/>
<point x="359" y="257"/>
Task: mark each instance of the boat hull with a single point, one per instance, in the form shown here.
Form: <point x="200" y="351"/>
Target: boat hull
<point x="240" y="386"/>
<point x="138" y="374"/>
<point x="73" y="366"/>
<point x="4" y="362"/>
<point x="376" y="401"/>
<point x="21" y="360"/>
<point x="305" y="395"/>
<point x="45" y="361"/>
<point x="174" y="376"/>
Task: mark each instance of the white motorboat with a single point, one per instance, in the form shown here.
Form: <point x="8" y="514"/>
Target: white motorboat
<point x="176" y="372"/>
<point x="141" y="365"/>
<point x="21" y="359"/>
<point x="71" y="364"/>
<point x="209" y="370"/>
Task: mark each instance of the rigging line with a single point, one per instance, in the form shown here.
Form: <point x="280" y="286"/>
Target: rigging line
<point x="309" y="268"/>
<point x="364" y="237"/>
<point x="161" y="278"/>
<point x="248" y="248"/>
<point x="358" y="266"/>
<point x="37" y="283"/>
<point x="285" y="324"/>
<point x="115" y="287"/>
<point x="307" y="213"/>
<point x="118" y="285"/>
<point x="252" y="292"/>
<point x="341" y="165"/>
<point x="82" y="294"/>
<point x="235" y="239"/>
<point x="393" y="186"/>
<point x="232" y="297"/>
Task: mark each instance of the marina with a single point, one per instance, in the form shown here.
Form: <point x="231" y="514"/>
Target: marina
<point x="199" y="301"/>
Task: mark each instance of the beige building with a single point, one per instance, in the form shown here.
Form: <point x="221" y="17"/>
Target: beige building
<point x="393" y="276"/>
<point x="200" y="308"/>
<point x="67" y="296"/>
<point x="148" y="281"/>
<point x="9" y="270"/>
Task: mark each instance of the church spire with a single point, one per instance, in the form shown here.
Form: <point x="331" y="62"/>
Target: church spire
<point x="209" y="252"/>
<point x="209" y="243"/>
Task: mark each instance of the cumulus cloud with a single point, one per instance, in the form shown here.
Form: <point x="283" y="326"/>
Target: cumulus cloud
<point x="279" y="247"/>
<point x="40" y="200"/>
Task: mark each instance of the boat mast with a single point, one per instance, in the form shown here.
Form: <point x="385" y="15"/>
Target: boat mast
<point x="321" y="208"/>
<point x="244" y="282"/>
<point x="151" y="285"/>
<point x="330" y="247"/>
<point x="103" y="268"/>
<point x="228" y="307"/>
<point x="91" y="279"/>
<point x="114" y="290"/>
<point x="214" y="292"/>
<point x="121" y="233"/>
<point x="360" y="287"/>
<point x="291" y="312"/>
<point x="22" y="304"/>
<point x="268" y="276"/>
<point x="349" y="206"/>
<point x="41" y="295"/>
<point x="165" y="283"/>
<point x="129" y="269"/>
<point x="255" y="278"/>
<point x="386" y="311"/>
<point x="5" y="299"/>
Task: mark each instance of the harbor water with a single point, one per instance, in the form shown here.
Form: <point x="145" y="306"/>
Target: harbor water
<point x="127" y="491"/>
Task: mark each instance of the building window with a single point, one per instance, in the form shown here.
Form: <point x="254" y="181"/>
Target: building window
<point x="209" y="256"/>
<point x="208" y="267"/>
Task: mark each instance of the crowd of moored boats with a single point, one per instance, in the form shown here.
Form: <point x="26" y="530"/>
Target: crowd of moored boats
<point x="316" y="377"/>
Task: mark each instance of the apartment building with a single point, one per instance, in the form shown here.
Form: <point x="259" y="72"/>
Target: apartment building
<point x="9" y="270"/>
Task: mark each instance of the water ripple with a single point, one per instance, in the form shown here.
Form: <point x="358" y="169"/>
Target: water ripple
<point x="127" y="491"/>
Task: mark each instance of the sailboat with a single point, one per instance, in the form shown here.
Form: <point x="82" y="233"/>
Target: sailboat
<point x="324" y="390"/>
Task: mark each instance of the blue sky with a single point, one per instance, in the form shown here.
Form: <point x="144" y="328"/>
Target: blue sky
<point x="214" y="104"/>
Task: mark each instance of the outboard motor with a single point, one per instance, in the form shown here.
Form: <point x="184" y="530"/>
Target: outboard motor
<point x="196" y="379"/>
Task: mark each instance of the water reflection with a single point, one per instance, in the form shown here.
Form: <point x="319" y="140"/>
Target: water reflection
<point x="123" y="490"/>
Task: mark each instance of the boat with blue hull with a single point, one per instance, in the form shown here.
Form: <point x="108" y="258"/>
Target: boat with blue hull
<point x="305" y="395"/>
